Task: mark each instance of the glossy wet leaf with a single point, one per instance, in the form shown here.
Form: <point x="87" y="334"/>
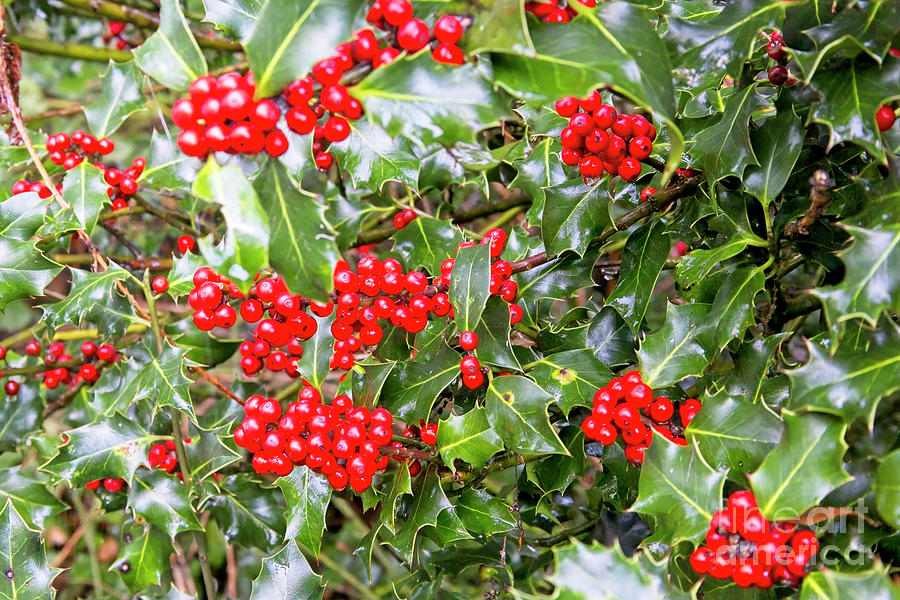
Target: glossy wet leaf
<point x="777" y="144"/>
<point x="411" y="389"/>
<point x="425" y="507"/>
<point x="85" y="192"/>
<point x="163" y="501"/>
<point x="517" y="410"/>
<point x="286" y="574"/>
<point x="643" y="259"/>
<point x="678" y="349"/>
<point x="143" y="559"/>
<point x="829" y="584"/>
<point x="470" y="285"/>
<point x="24" y="272"/>
<point x="27" y="574"/>
<point x="483" y="513"/>
<point x="120" y="96"/>
<point x="94" y="299"/>
<point x="235" y="17"/>
<point x="887" y="489"/>
<point x="171" y="55"/>
<point x="427" y="242"/>
<point x="21" y="414"/>
<point x="307" y="495"/>
<point x="468" y="437"/>
<point x="734" y="304"/>
<point x="571" y="377"/>
<point x="804" y="466"/>
<point x="574" y="212"/>
<point x="248" y="513"/>
<point x="29" y="495"/>
<point x="371" y="156"/>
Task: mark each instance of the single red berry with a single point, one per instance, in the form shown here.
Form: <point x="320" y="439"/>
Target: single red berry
<point x="700" y="560"/>
<point x="662" y="410"/>
<point x="160" y="285"/>
<point x="629" y="168"/>
<point x="688" y="410"/>
<point x="186" y="244"/>
<point x="448" y="29"/>
<point x="106" y="353"/>
<point x="413" y="35"/>
<point x="778" y="75"/>
<point x="33" y="348"/>
<point x="581" y="124"/>
<point x="468" y="340"/>
<point x="12" y="388"/>
<point x="385" y="56"/>
<point x="885" y="117"/>
<point x="448" y="54"/>
<point x="397" y="12"/>
<point x="646" y="193"/>
<point x="566" y="107"/>
<point x="324" y="160"/>
<point x="605" y="116"/>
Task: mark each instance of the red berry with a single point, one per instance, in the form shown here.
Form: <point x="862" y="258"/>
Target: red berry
<point x="885" y="117"/>
<point x="688" y="410"/>
<point x="336" y="129"/>
<point x="160" y="284"/>
<point x="566" y="107"/>
<point x="448" y="29"/>
<point x="581" y="124"/>
<point x="629" y="169"/>
<point x="33" y="348"/>
<point x="324" y="160"/>
<point x="385" y="56"/>
<point x="468" y="340"/>
<point x="605" y="116"/>
<point x="413" y="35"/>
<point x="186" y="244"/>
<point x="662" y="410"/>
<point x="646" y="193"/>
<point x="778" y="75"/>
<point x="12" y="388"/>
<point x="397" y="12"/>
<point x="700" y="560"/>
<point x="448" y="54"/>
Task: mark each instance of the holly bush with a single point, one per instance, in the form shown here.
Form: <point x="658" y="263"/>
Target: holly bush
<point x="450" y="299"/>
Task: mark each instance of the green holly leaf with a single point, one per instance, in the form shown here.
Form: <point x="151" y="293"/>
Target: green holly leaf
<point x="731" y="432"/>
<point x="301" y="245"/>
<point x="24" y="559"/>
<point x="248" y="223"/>
<point x="143" y="559"/>
<point x="317" y="350"/>
<point x="371" y="157"/>
<point x="804" y="466"/>
<point x="517" y="410"/>
<point x="94" y="299"/>
<point x="292" y="35"/>
<point x="426" y="506"/>
<point x="749" y="377"/>
<point x="724" y="148"/>
<point x="22" y="215"/>
<point x="678" y="491"/>
<point x="542" y="168"/>
<point x="431" y="102"/>
<point x="501" y="25"/>
<point x="207" y="453"/>
<point x="181" y="277"/>
<point x="400" y="486"/>
<point x="557" y="279"/>
<point x="167" y="167"/>
<point x="721" y="43"/>
<point x="694" y="267"/>
<point x="248" y="513"/>
<point x="171" y="55"/>
<point x="733" y="305"/>
<point x="574" y="212"/>
<point x="286" y="574"/>
<point x="861" y="27"/>
<point x="887" y="489"/>
<point x="608" y="336"/>
<point x="201" y="347"/>
<point x="869" y="285"/>
<point x="21" y="414"/>
<point x="571" y="377"/>
<point x="468" y="437"/>
<point x="597" y="571"/>
<point x="120" y="97"/>
<point x="556" y="473"/>
<point x="777" y="144"/>
<point x="113" y="447"/>
<point x="828" y="584"/>
<point x="470" y="285"/>
<point x="676" y="350"/>
<point x="849" y="112"/>
<point x="427" y="242"/>
<point x="412" y="387"/>
<point x="31" y="498"/>
<point x="162" y="500"/>
<point x="850" y="382"/>
<point x="482" y="513"/>
<point x="85" y="191"/>
<point x="235" y="17"/>
<point x="643" y="259"/>
<point x="307" y="495"/>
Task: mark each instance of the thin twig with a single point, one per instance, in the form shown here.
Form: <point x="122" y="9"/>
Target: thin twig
<point x="216" y="383"/>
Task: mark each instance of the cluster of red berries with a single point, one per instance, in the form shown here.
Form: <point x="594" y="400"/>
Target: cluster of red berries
<point x="339" y="440"/>
<point x="163" y="456"/>
<point x="412" y="34"/>
<point x="626" y="407"/>
<point x="114" y="30"/>
<point x="209" y="299"/>
<point x="885" y="117"/>
<point x="552" y="11"/>
<point x="404" y="218"/>
<point x="70" y="151"/>
<point x="96" y="357"/>
<point x="598" y="139"/>
<point x="744" y="546"/>
<point x="778" y="74"/>
<point x="426" y="433"/>
<point x="220" y="115"/>
<point x="110" y="484"/>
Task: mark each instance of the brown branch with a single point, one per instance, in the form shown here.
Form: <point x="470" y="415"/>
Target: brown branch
<point x="819" y="184"/>
<point x="409" y="453"/>
<point x="216" y="383"/>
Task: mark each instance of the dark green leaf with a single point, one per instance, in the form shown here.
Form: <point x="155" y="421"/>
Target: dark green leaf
<point x="468" y="437"/>
<point x="470" y="285"/>
<point x="30" y="497"/>
<point x="777" y="145"/>
<point x="732" y="432"/>
<point x="426" y="506"/>
<point x="301" y="247"/>
<point x="249" y="513"/>
<point x="24" y="559"/>
<point x="484" y="514"/>
<point x="675" y="351"/>
<point x="143" y="559"/>
<point x="501" y="25"/>
<point x="291" y="35"/>
<point x="804" y="466"/>
<point x="427" y="242"/>
<point x="162" y="501"/>
<point x="542" y="168"/>
<point x="207" y="453"/>
<point x="167" y="167"/>
<point x="235" y="17"/>
<point x="556" y="473"/>
<point x="307" y="495"/>
<point x="371" y="157"/>
<point x="517" y="410"/>
<point x="22" y="215"/>
<point x="94" y="299"/>
<point x="574" y="212"/>
<point x="609" y="338"/>
<point x="314" y="364"/>
<point x="870" y="283"/>
<point x="724" y="148"/>
<point x="571" y="377"/>
<point x="694" y="267"/>
<point x="733" y="305"/>
<point x="887" y="489"/>
<point x="643" y="259"/>
<point x="171" y="55"/>
<point x="114" y="447"/>
<point x="85" y="191"/>
<point x="493" y="335"/>
<point x="829" y="584"/>
<point x="556" y="279"/>
<point x="429" y="101"/>
<point x="22" y="413"/>
<point x="411" y="389"/>
<point x="678" y="491"/>
<point x="248" y="224"/>
<point x="121" y="96"/>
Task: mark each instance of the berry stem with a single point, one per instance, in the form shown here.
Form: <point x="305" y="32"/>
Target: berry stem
<point x="169" y="217"/>
<point x="216" y="383"/>
<point x="410" y="453"/>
